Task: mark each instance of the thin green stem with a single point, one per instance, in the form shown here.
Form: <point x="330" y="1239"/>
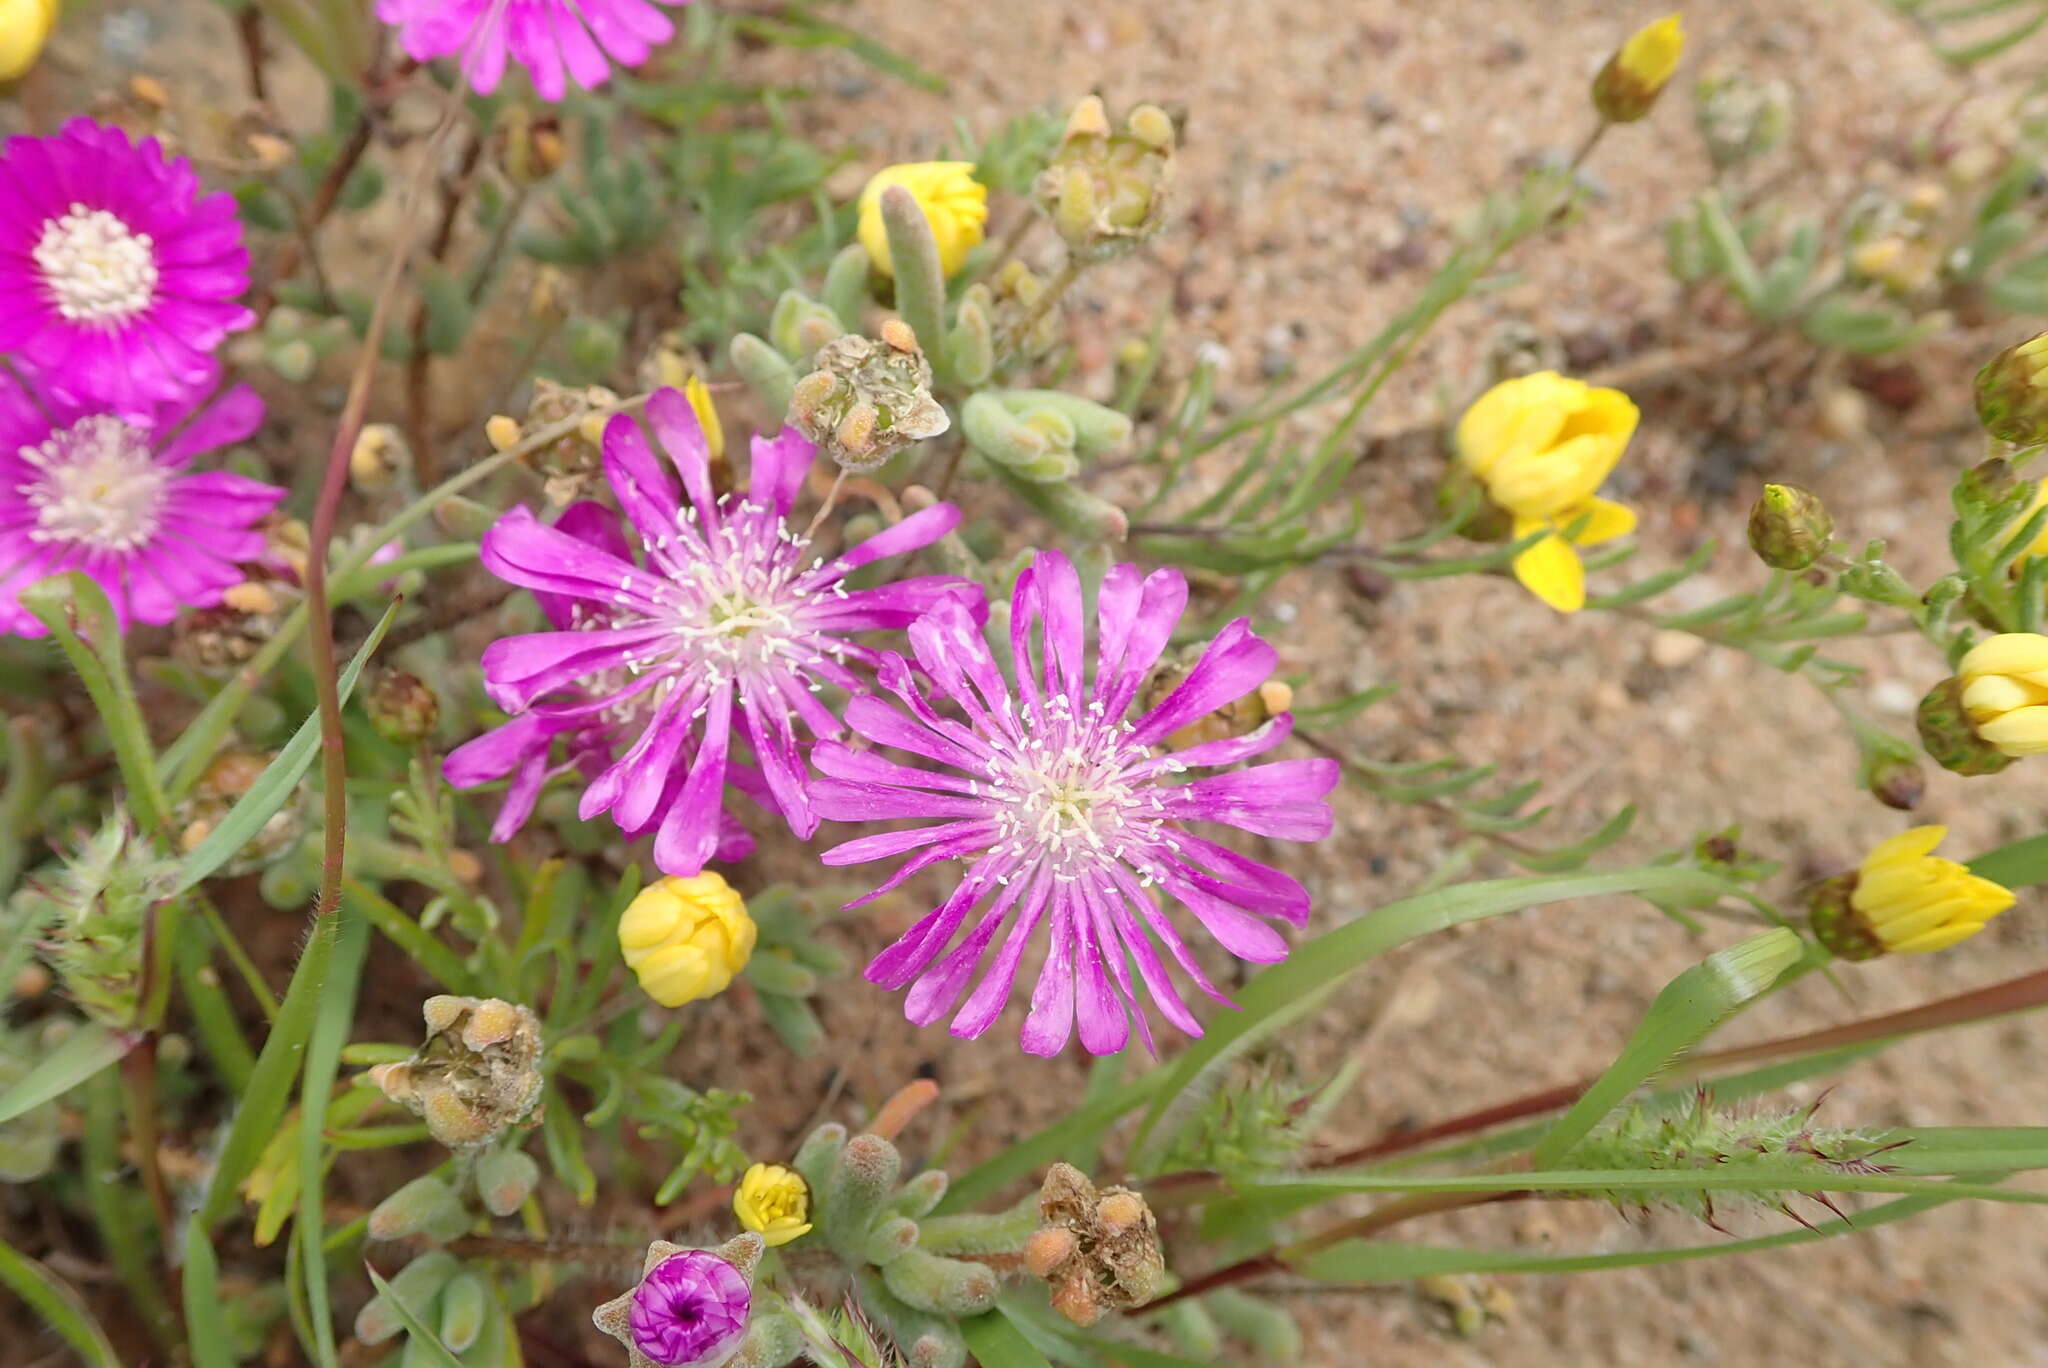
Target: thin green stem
<point x="245" y="966"/>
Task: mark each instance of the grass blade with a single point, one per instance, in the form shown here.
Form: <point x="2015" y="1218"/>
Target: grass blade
<point x="82" y="1055"/>
<point x="1336" y="954"/>
<point x="1691" y="1005"/>
<point x="56" y="1305"/>
<point x="82" y="623"/>
<point x="323" y="1054"/>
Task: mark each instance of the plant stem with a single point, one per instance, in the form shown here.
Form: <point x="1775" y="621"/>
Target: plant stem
<point x="325" y="194"/>
<point x="333" y="757"/>
<point x="245" y="966"/>
<point x="138" y="1095"/>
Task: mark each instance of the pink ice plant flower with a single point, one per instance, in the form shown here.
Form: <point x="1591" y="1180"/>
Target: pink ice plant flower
<point x="725" y="616"/>
<point x="118" y="278"/>
<point x="583" y="38"/>
<point x="85" y="489"/>
<point x="1069" y="813"/>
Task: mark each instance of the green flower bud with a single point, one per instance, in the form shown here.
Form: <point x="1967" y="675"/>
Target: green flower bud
<point x="93" y="910"/>
<point x="2012" y="393"/>
<point x="402" y="708"/>
<point x="767" y="372"/>
<point x="1789" y="527"/>
<point x="800" y="325"/>
<point x="1948" y="736"/>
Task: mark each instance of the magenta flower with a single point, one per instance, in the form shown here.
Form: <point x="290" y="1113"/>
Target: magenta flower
<point x="83" y="489"/>
<point x="593" y="728"/>
<point x="691" y="1309"/>
<point x="1069" y="813"/>
<point x="117" y="277"/>
<point x="544" y="36"/>
<point x="725" y="612"/>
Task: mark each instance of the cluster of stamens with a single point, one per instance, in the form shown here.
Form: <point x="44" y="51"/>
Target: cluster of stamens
<point x="97" y="484"/>
<point x="1068" y="796"/>
<point x="97" y="268"/>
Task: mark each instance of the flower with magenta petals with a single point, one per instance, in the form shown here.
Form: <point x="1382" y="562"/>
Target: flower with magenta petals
<point x="547" y="37"/>
<point x="84" y="489"/>
<point x="1069" y="812"/>
<point x="725" y="617"/>
<point x="690" y="1308"/>
<point x="118" y="278"/>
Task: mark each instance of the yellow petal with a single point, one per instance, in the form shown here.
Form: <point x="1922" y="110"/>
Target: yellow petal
<point x="1651" y="52"/>
<point x="1551" y="571"/>
<point x="1608" y="521"/>
<point x="1938" y="940"/>
<point x="2006" y="653"/>
<point x="1987" y="696"/>
<point x="2023" y="731"/>
<point x="1908" y="844"/>
<point x="1515" y="417"/>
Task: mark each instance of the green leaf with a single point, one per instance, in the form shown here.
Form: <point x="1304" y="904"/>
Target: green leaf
<point x="420" y="1340"/>
<point x="277" y="782"/>
<point x="56" y="1305"/>
<point x="82" y="1054"/>
<point x="263" y="1105"/>
<point x="1371" y="1261"/>
<point x="204" y="1326"/>
<point x="84" y="626"/>
<point x="997" y="1343"/>
<point x="1691" y="1005"/>
<point x="330" y="1032"/>
<point x="1336" y="954"/>
<point x="2016" y="865"/>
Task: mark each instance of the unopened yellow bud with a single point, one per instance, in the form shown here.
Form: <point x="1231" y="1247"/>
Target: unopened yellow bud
<point x="955" y="204"/>
<point x="1628" y="86"/>
<point x="24" y="27"/>
<point x="1904" y="899"/>
<point x="774" y="1202"/>
<point x="503" y="431"/>
<point x="1789" y="527"/>
<point x="2004" y="681"/>
<point x="686" y="938"/>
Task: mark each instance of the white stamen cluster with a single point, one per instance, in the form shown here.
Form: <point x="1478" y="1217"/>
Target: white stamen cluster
<point x="740" y="610"/>
<point x="97" y="269"/>
<point x="1066" y="796"/>
<point x="97" y="484"/>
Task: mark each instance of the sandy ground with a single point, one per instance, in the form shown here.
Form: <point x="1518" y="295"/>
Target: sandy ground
<point x="1329" y="147"/>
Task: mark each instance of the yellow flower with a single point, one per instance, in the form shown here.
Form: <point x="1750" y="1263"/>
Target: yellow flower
<point x="686" y="938"/>
<point x="1636" y="75"/>
<point x="1913" y="901"/>
<point x="24" y="27"/>
<point x="2005" y="691"/>
<point x="774" y="1202"/>
<point x="955" y="204"/>
<point x="1541" y="445"/>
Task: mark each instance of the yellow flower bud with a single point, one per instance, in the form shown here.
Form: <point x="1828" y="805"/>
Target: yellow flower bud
<point x="2005" y="691"/>
<point x="774" y="1202"/>
<point x="686" y="938"/>
<point x="1635" y="76"/>
<point x="955" y="204"/>
<point x="24" y="27"/>
<point x="1541" y="445"/>
<point x="1906" y="900"/>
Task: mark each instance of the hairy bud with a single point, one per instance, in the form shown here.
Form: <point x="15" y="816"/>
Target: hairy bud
<point x="1789" y="527"/>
